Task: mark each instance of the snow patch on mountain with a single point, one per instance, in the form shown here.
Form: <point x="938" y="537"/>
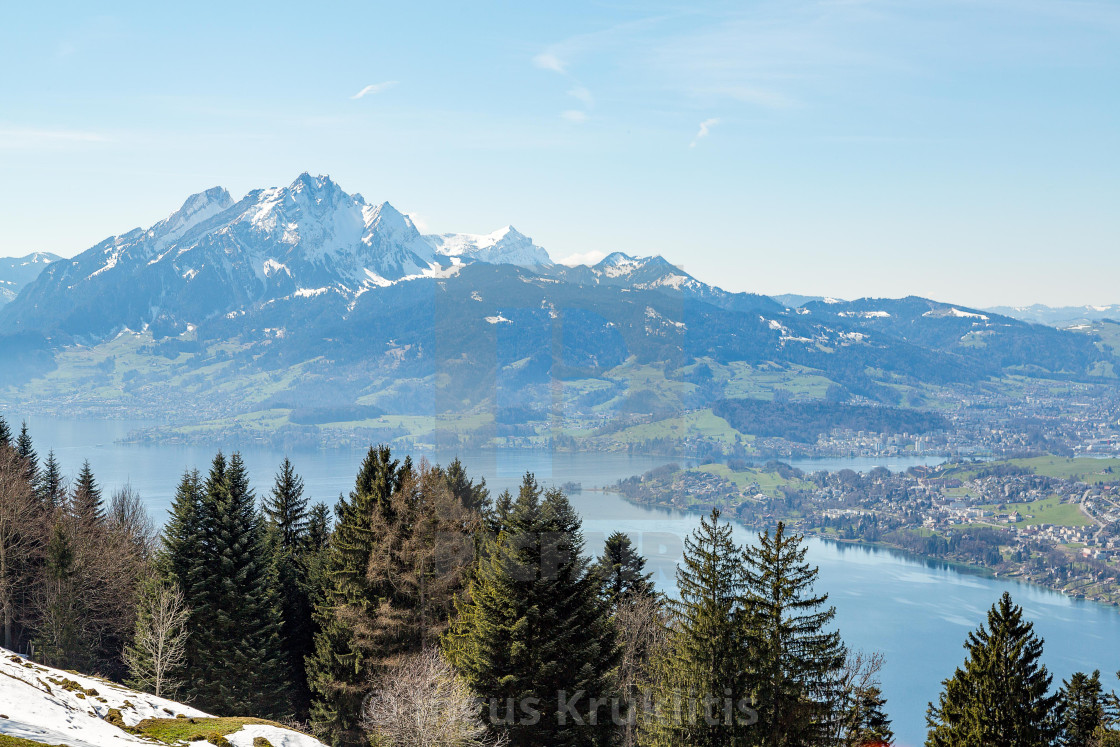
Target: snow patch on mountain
<point x="505" y="246"/>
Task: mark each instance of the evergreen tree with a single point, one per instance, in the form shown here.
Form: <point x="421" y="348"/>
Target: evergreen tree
<point x="182" y="537"/>
<point x="621" y="570"/>
<point x="26" y="449"/>
<point x="999" y="698"/>
<point x="86" y="503"/>
<point x="319" y="527"/>
<point x="288" y="525"/>
<point x="471" y="495"/>
<point x="53" y="485"/>
<point x="285" y="508"/>
<point x="339" y="669"/>
<point x="59" y="641"/>
<point x="796" y="660"/>
<point x="5" y="433"/>
<point x="1081" y="709"/>
<point x="870" y="725"/>
<point x="704" y="664"/>
<point x="215" y="548"/>
<point x="535" y="631"/>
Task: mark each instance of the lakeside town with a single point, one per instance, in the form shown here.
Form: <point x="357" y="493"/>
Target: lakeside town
<point x="1053" y="521"/>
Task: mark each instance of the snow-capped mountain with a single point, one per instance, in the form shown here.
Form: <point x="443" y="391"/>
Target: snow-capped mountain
<point x="1059" y="316"/>
<point x="53" y="707"/>
<point x="16" y="272"/>
<point x="216" y="256"/>
<point x="506" y="246"/>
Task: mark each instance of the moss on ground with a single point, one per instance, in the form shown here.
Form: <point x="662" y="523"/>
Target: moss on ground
<point x="213" y="730"/>
<point x="7" y="741"/>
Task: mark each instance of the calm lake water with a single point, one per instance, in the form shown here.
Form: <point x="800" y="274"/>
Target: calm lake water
<point x="916" y="612"/>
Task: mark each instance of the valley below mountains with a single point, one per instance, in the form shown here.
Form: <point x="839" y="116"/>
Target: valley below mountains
<point x="306" y="314"/>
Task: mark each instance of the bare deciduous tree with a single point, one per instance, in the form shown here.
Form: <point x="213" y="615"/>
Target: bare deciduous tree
<point x="20" y="534"/>
<point x="642" y="627"/>
<point x="128" y="517"/>
<point x="423" y="702"/>
<point x="158" y="651"/>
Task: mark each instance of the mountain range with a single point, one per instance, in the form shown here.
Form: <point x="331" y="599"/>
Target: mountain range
<point x="16" y="272"/>
<point x="308" y="294"/>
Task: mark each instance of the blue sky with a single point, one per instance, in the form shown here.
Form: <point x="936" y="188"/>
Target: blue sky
<point x="968" y="151"/>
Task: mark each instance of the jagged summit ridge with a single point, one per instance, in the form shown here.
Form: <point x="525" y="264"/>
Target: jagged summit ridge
<point x="214" y="255"/>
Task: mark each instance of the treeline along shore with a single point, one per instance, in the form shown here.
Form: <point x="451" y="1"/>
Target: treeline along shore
<point x="422" y="610"/>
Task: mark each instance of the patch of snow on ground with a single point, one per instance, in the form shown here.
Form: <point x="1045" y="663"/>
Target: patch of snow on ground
<point x="954" y="311"/>
<point x="276" y="736"/>
<point x="37" y="705"/>
<point x="39" y="708"/>
<point x="499" y="319"/>
<point x="865" y="314"/>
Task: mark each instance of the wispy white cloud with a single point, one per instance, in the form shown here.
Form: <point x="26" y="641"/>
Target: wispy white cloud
<point x="418" y="221"/>
<point x="584" y="95"/>
<point x="575" y="115"/>
<point x="585" y="258"/>
<point x="705" y="128"/>
<point x="549" y="61"/>
<point x="374" y="89"/>
<point x="27" y="138"/>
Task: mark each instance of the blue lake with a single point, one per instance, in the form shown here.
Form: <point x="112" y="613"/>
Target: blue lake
<point x="914" y="611"/>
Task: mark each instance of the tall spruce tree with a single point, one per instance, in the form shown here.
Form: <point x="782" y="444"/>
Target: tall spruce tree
<point x="1000" y="697"/>
<point x="53" y="484"/>
<point x="622" y="571"/>
<point x="339" y="669"/>
<point x="5" y="432"/>
<point x="319" y="527"/>
<point x="59" y="641"/>
<point x="704" y="665"/>
<point x="869" y="725"/>
<point x="535" y="637"/>
<point x="1081" y="709"/>
<point x="473" y="496"/>
<point x="796" y="659"/>
<point x="287" y="520"/>
<point x="26" y="449"/>
<point x="86" y="503"/>
<point x="215" y="549"/>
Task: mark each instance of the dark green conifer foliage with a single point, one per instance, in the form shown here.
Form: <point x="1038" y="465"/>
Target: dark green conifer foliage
<point x="535" y="627"/>
<point x="706" y="656"/>
<point x="339" y="670"/>
<point x="622" y="571"/>
<point x="871" y="726"/>
<point x="86" y="503"/>
<point x="182" y="536"/>
<point x="59" y="641"/>
<point x="5" y="432"/>
<point x="26" y="449"/>
<point x="796" y="659"/>
<point x="288" y="539"/>
<point x="53" y="484"/>
<point x="216" y="542"/>
<point x="286" y="508"/>
<point x="474" y="496"/>
<point x="1081" y="709"/>
<point x="319" y="527"/>
<point x="999" y="698"/>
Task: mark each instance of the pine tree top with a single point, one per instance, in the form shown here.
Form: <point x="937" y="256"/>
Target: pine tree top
<point x="86" y="502"/>
<point x="285" y="508"/>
